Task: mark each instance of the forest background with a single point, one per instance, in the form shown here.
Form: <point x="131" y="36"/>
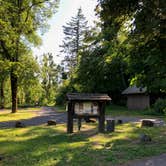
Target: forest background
<point x="125" y="47"/>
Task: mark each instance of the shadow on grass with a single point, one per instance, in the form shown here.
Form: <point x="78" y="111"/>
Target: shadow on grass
<point x="37" y="120"/>
<point x="48" y="146"/>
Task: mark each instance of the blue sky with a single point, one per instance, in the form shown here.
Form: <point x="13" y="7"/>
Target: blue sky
<point x="53" y="38"/>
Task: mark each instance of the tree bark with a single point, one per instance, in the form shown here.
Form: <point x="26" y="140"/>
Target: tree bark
<point x="14" y="81"/>
<point x="2" y="97"/>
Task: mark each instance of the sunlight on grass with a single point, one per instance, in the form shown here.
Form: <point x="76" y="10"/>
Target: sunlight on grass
<point x="6" y="115"/>
<point x="51" y="145"/>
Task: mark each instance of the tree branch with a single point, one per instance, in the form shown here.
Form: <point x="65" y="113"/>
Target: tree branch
<point x="5" y="50"/>
<point x="30" y="7"/>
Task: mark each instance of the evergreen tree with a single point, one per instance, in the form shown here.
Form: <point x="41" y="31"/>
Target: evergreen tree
<point x="74" y="32"/>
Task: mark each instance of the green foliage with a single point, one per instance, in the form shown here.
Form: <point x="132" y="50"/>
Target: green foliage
<point x="19" y="23"/>
<point x="160" y="106"/>
<point x="128" y="50"/>
<point x="4" y="75"/>
<point x="66" y="87"/>
<point x="73" y="45"/>
<point x="74" y="32"/>
<point x="49" y="76"/>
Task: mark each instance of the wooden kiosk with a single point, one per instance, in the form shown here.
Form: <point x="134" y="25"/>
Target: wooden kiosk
<point x="82" y="105"/>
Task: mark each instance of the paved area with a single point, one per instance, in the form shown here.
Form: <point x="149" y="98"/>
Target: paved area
<point x="46" y="113"/>
<point x="42" y="116"/>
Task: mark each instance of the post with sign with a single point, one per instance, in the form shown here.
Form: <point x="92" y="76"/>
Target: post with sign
<point x="81" y="105"/>
<point x="69" y="118"/>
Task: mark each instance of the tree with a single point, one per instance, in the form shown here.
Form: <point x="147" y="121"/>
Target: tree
<point x="103" y="66"/>
<point x="49" y="75"/>
<point x="74" y="32"/>
<point x="142" y="48"/>
<point x="147" y="54"/>
<point x="19" y="22"/>
<point x="29" y="84"/>
<point x="4" y="74"/>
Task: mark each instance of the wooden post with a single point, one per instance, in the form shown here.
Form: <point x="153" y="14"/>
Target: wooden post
<point x="70" y="117"/>
<point x="102" y="117"/>
<point x="79" y="124"/>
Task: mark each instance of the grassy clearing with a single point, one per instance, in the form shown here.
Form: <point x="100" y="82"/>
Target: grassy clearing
<point x="6" y="115"/>
<point x="115" y="110"/>
<point x="48" y="146"/>
<point x="59" y="108"/>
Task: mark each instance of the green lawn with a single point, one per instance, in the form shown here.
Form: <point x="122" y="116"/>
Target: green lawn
<point x="59" y="108"/>
<point x="115" y="110"/>
<point x="50" y="145"/>
<point x="6" y="115"/>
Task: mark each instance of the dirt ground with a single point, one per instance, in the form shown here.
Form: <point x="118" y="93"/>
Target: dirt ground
<point x="159" y="160"/>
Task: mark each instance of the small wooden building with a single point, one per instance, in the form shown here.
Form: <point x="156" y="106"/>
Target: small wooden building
<point x="83" y="105"/>
<point x="137" y="98"/>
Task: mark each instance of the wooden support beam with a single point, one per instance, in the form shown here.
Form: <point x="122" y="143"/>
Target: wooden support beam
<point x="102" y="117"/>
<point x="70" y="117"/>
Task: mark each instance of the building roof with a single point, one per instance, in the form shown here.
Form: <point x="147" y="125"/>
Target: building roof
<point x="88" y="96"/>
<point x="134" y="90"/>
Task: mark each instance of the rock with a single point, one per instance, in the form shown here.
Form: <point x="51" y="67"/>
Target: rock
<point x="147" y="123"/>
<point x="51" y="122"/>
<point x="145" y="138"/>
<point x="19" y="124"/>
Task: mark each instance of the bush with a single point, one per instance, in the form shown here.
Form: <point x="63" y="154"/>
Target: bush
<point x="160" y="106"/>
<point x="67" y="87"/>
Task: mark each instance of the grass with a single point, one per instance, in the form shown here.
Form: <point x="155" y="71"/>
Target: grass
<point x="60" y="108"/>
<point x="21" y="114"/>
<point x="50" y="145"/>
<point x="115" y="110"/>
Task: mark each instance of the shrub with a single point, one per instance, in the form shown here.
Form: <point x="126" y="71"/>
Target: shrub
<point x="160" y="106"/>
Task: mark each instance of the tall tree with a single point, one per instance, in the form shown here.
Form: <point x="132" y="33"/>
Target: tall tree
<point x="29" y="84"/>
<point x="49" y="78"/>
<point x="4" y="74"/>
<point x="74" y="32"/>
<point x="103" y="67"/>
<point x="19" y="22"/>
<point x="147" y="54"/>
<point x="143" y="48"/>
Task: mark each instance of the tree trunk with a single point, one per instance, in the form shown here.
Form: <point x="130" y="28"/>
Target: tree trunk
<point x="2" y="98"/>
<point x="13" y="78"/>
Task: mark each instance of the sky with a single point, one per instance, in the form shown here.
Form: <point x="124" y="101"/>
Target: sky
<point x="54" y="36"/>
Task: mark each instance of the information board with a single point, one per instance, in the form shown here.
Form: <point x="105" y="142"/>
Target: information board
<point x="86" y="108"/>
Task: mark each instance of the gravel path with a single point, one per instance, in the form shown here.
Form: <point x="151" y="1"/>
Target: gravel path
<point x="42" y="116"/>
<point x="46" y="113"/>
